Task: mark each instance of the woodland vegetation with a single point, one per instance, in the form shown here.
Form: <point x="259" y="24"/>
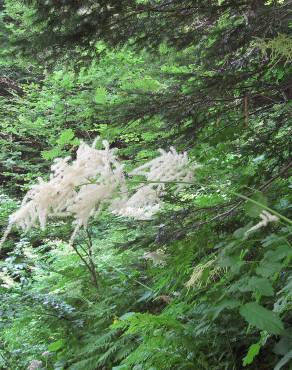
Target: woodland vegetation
<point x="188" y="262"/>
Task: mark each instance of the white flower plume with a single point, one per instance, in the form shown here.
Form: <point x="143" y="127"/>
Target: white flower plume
<point x="167" y="168"/>
<point x="141" y="205"/>
<point x="80" y="188"/>
<point x="266" y="217"/>
<point x="69" y="192"/>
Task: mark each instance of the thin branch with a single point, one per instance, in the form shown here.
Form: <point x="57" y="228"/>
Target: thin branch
<point x="246" y="198"/>
<point x="81" y="257"/>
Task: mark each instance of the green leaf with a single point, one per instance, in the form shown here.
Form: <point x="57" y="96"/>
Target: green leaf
<point x="253" y="210"/>
<point x="268" y="268"/>
<point x="65" y="137"/>
<point x="261" y="318"/>
<point x="55" y="346"/>
<point x="253" y="351"/>
<point x="51" y="154"/>
<point x="280" y="253"/>
<point x="224" y="304"/>
<point x="100" y="96"/>
<point x="261" y="285"/>
<point x="253" y="284"/>
<point x="144" y="84"/>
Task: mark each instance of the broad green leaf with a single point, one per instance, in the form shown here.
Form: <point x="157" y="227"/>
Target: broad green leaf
<point x="55" y="346"/>
<point x="224" y="304"/>
<point x="253" y="284"/>
<point x="261" y="318"/>
<point x="261" y="285"/>
<point x="280" y="253"/>
<point x="268" y="268"/>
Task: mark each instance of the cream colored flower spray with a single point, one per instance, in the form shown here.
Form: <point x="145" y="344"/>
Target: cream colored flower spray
<point x="81" y="188"/>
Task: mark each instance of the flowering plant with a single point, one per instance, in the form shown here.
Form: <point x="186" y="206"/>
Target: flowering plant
<point x="81" y="188"/>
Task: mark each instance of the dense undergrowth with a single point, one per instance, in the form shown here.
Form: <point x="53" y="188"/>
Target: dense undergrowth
<point x="192" y="288"/>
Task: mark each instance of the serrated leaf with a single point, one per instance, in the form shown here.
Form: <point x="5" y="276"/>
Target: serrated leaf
<point x="261" y="318"/>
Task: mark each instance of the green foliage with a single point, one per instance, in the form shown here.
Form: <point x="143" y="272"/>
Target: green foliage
<point x="262" y="318"/>
<point x="253" y="351"/>
<point x="254" y="210"/>
<point x="280" y="47"/>
<point x="208" y="77"/>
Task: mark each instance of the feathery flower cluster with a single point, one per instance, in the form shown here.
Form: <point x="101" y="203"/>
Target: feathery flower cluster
<point x="80" y="188"/>
<point x="266" y="217"/>
<point x="168" y="167"/>
<point x="35" y="365"/>
<point x="195" y="279"/>
<point x="69" y="192"/>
